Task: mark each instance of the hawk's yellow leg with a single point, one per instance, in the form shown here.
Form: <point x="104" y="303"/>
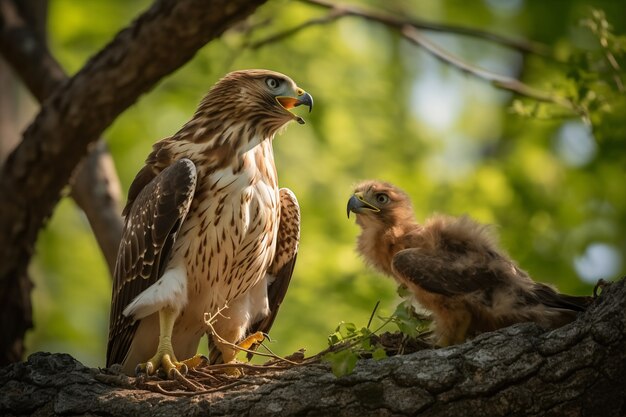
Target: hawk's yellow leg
<point x="164" y="357"/>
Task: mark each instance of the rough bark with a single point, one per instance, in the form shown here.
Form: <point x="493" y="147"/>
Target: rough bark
<point x="161" y="40"/>
<point x="95" y="186"/>
<point x="577" y="370"/>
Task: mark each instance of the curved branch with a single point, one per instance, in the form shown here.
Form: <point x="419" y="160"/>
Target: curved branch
<point x="95" y="186"/>
<point x="521" y="370"/>
<point x="497" y="80"/>
<point x="157" y="43"/>
<point x="411" y="29"/>
<point x="337" y="11"/>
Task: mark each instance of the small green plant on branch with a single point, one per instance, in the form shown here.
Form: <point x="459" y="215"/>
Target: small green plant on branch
<point x="349" y="342"/>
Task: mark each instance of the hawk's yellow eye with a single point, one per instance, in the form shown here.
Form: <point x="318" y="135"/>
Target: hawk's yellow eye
<point x="382" y="198"/>
<point x="272" y="83"/>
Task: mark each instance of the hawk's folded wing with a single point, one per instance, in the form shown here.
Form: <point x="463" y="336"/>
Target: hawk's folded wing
<point x="152" y="223"/>
<point x="450" y="273"/>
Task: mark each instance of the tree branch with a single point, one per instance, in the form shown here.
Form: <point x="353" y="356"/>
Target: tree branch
<point x="95" y="186"/>
<point x="499" y="81"/>
<point x="521" y="370"/>
<point x="411" y="29"/>
<point x="158" y="42"/>
<point x="337" y="11"/>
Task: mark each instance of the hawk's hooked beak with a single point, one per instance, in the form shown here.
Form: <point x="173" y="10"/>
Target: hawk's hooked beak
<point x="357" y="204"/>
<point x="303" y="98"/>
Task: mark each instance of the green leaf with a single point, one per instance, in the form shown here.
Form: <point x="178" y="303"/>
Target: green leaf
<point x="334" y="338"/>
<point x="341" y="362"/>
<point x="407" y="320"/>
<point x="346" y="330"/>
<point x="379" y="354"/>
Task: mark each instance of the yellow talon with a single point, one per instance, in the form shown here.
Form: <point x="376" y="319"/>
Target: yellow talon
<point x="254" y="338"/>
<point x="196" y="361"/>
<point x="164" y="358"/>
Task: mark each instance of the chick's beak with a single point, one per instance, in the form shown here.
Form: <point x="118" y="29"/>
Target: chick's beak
<point x="357" y="204"/>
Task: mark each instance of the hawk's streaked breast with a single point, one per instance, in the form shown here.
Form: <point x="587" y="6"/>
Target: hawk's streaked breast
<point x="228" y="240"/>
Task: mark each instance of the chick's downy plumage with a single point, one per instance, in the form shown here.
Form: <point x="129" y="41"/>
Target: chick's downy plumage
<point x="453" y="266"/>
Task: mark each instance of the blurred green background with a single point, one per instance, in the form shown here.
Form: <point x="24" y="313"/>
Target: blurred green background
<point x="384" y="109"/>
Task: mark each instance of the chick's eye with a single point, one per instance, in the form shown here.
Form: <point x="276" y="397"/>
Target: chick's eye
<point x="272" y="83"/>
<point x="382" y="198"/>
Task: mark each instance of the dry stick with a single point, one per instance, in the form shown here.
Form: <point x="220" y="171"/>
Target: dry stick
<point x="209" y="318"/>
<point x="249" y="366"/>
<point x="186" y="382"/>
<point x="369" y="322"/>
<point x="206" y="391"/>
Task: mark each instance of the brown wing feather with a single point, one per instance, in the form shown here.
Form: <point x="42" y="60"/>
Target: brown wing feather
<point x="447" y="273"/>
<point x="152" y="223"/>
<point x="452" y="267"/>
<point x="455" y="256"/>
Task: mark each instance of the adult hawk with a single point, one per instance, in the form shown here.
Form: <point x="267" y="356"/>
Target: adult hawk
<point x="453" y="267"/>
<point x="207" y="230"/>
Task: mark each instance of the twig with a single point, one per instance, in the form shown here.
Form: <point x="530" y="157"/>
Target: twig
<point x="497" y="80"/>
<point x="410" y="29"/>
<point x="369" y="322"/>
<point x="209" y="319"/>
<point x="337" y="11"/>
<point x="248" y="366"/>
<point x="190" y="385"/>
<point x="332" y="16"/>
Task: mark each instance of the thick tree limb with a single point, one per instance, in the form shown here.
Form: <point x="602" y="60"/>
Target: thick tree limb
<point x="95" y="186"/>
<point x="161" y="40"/>
<point x="577" y="370"/>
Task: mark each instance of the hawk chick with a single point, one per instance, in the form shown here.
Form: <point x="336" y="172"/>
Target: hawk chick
<point x="453" y="267"/>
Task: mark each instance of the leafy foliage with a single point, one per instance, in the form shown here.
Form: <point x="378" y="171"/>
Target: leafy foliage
<point x="408" y="321"/>
<point x="593" y="80"/>
<point x="349" y="343"/>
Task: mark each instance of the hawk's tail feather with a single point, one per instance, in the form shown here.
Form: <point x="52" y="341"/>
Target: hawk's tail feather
<point x="576" y="302"/>
<point x="551" y="298"/>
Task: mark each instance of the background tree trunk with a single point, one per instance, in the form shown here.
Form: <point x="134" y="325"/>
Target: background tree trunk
<point x="577" y="370"/>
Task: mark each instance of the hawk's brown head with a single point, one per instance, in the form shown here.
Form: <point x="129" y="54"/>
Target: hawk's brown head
<point x="262" y="99"/>
<point x="378" y="203"/>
